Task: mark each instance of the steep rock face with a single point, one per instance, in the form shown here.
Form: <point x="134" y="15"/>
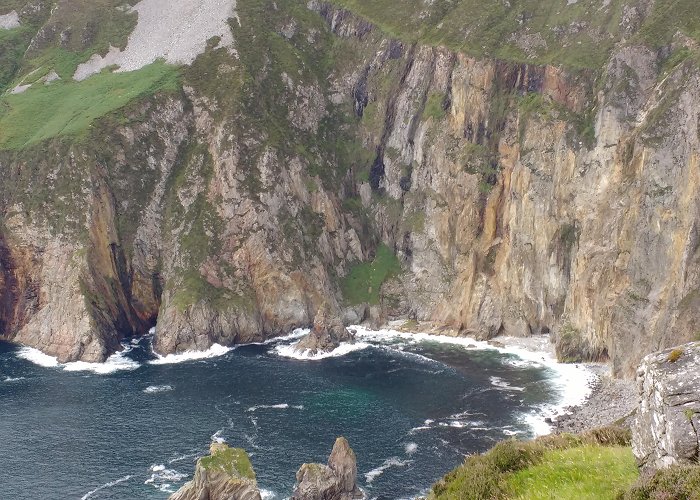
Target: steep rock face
<point x="520" y="211"/>
<point x="520" y="198"/>
<point x="226" y="474"/>
<point x="664" y="431"/>
<point x="335" y="481"/>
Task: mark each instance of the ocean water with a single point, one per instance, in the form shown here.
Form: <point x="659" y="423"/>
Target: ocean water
<point x="412" y="407"/>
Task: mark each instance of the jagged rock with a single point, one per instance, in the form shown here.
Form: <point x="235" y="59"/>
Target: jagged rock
<point x="335" y="481"/>
<point x="664" y="432"/>
<point x="327" y="333"/>
<point x="226" y="474"/>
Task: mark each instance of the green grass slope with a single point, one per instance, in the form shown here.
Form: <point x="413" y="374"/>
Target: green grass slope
<point x="589" y="472"/>
<point x="69" y="108"/>
<point x="595" y="465"/>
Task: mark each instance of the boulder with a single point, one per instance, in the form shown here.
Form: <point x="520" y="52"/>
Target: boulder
<point x="665" y="429"/>
<point x="327" y="333"/>
<point x="335" y="481"/>
<point x="226" y="474"/>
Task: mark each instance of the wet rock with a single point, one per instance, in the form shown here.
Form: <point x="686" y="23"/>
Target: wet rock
<point x="664" y="432"/>
<point x="327" y="333"/>
<point x="226" y="474"/>
<point x="335" y="481"/>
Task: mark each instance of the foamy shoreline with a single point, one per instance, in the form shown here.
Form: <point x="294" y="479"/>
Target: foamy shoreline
<point x="574" y="383"/>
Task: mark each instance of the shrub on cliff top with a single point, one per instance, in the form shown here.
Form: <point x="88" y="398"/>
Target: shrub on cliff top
<point x="674" y="483"/>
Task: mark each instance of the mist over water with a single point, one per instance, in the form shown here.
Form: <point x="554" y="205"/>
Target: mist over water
<point x="411" y="410"/>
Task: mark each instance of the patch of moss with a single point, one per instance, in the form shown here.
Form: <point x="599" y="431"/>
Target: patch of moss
<point x="364" y="281"/>
<point x="675" y="355"/>
<point x="435" y="107"/>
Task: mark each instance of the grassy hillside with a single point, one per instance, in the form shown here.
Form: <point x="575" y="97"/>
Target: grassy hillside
<point x="69" y="108"/>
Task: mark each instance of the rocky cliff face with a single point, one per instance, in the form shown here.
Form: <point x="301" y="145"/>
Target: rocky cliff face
<point x="518" y="197"/>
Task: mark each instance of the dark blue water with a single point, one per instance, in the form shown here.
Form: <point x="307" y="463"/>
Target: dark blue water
<point x="411" y="412"/>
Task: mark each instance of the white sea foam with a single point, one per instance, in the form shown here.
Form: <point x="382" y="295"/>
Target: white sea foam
<point x="154" y="389"/>
<point x="14" y="379"/>
<point x="389" y="462"/>
<point x="281" y="406"/>
<point x="163" y="478"/>
<point x="214" y="351"/>
<point x="411" y="448"/>
<point x="116" y="362"/>
<point x="183" y="457"/>
<point x="90" y="494"/>
<point x="289" y="351"/>
<point x="267" y="494"/>
<point x="218" y="436"/>
<point x="571" y="382"/>
<point x="499" y="383"/>
<point x="37" y="357"/>
<point x="296" y="334"/>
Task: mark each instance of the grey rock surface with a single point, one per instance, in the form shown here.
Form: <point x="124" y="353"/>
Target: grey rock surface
<point x="664" y="432"/>
<point x="335" y="481"/>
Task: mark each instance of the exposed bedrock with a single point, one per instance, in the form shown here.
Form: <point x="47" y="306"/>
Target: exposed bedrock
<point x="665" y="429"/>
<point x="327" y="333"/>
<point x="518" y="199"/>
<point x="335" y="481"/>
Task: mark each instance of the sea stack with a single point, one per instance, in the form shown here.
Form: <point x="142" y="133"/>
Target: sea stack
<point x="226" y="474"/>
<point x="327" y="333"/>
<point x="335" y="481"/>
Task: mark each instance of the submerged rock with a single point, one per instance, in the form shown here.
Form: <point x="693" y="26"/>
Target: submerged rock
<point x="665" y="430"/>
<point x="335" y="481"/>
<point x="327" y="333"/>
<point x="226" y="474"/>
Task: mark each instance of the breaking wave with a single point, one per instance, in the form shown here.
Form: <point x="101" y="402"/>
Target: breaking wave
<point x="289" y="351"/>
<point x="214" y="351"/>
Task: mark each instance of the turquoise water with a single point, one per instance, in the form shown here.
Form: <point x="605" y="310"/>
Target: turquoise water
<point x="411" y="411"/>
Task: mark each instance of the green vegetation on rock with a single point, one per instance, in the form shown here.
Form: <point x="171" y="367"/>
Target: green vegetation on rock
<point x="578" y="34"/>
<point x="69" y="108"/>
<point x="233" y="461"/>
<point x="364" y="281"/>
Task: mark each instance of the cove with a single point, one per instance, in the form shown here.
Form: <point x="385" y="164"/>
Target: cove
<point x="411" y="406"/>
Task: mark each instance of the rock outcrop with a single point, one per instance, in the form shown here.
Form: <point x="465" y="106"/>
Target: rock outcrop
<point x="226" y="474"/>
<point x="665" y="430"/>
<point x="327" y="334"/>
<point x="335" y="481"/>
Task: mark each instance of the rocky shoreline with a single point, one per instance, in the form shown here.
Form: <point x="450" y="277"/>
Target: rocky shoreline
<point x="611" y="401"/>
